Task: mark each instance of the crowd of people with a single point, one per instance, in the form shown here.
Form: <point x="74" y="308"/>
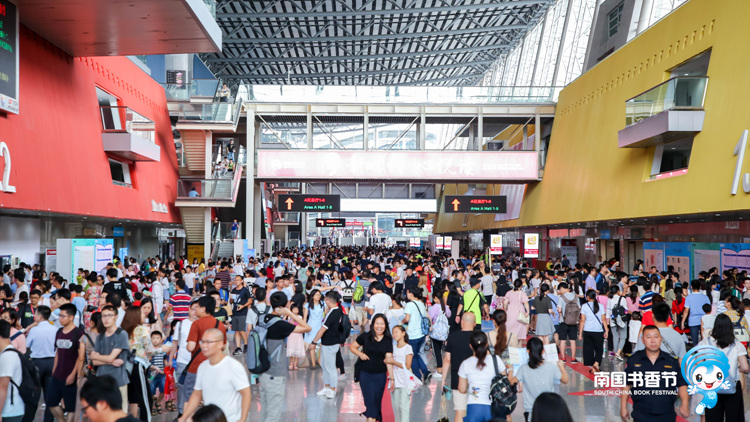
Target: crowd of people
<point x="135" y="340"/>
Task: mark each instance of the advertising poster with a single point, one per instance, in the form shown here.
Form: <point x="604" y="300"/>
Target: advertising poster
<point x="439" y="242"/>
<point x="194" y="252"/>
<point x="531" y="245"/>
<point x="678" y="256"/>
<point x="104" y="253"/>
<point x="653" y="255"/>
<point x="247" y="250"/>
<point x="83" y="255"/>
<point x="496" y="244"/>
<point x="735" y="255"/>
<point x="447" y="242"/>
<point x="569" y="248"/>
<point x="705" y="256"/>
<point x="50" y="260"/>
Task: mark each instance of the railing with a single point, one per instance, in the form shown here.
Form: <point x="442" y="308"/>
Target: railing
<point x="210" y="189"/>
<point x="123" y="119"/>
<point x="205" y="88"/>
<point x="679" y="93"/>
<point x="223" y="231"/>
<point x="402" y="94"/>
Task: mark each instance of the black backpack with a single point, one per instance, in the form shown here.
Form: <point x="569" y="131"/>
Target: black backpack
<point x="30" y="389"/>
<point x="345" y="328"/>
<point x="502" y="394"/>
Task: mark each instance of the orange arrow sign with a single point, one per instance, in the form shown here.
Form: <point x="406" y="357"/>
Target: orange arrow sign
<point x="400" y="223"/>
<point x="455" y="204"/>
<point x="289" y="203"/>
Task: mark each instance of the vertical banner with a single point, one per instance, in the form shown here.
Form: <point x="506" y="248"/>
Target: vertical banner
<point x="439" y="242"/>
<point x="678" y="255"/>
<point x="569" y="248"/>
<point x="50" y="260"/>
<point x="414" y="242"/>
<point x="705" y="257"/>
<point x="496" y="244"/>
<point x="447" y="242"/>
<point x="531" y="245"/>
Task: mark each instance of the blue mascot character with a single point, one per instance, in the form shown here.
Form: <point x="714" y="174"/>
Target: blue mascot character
<point x="706" y="370"/>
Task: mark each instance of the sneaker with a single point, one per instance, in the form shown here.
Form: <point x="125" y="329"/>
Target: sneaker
<point x="438" y="375"/>
<point x="324" y="391"/>
<point x="330" y="394"/>
<point x="618" y="357"/>
<point x="245" y="349"/>
<point x="237" y="351"/>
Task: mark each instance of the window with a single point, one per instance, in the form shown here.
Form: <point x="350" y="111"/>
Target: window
<point x="672" y="156"/>
<point x="120" y="173"/>
<point x="614" y="19"/>
<point x="108" y="108"/>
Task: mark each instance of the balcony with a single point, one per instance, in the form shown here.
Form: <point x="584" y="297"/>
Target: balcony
<point x="216" y="116"/>
<point x="196" y="91"/>
<point x="217" y="192"/>
<point x="129" y="135"/>
<point x="667" y="112"/>
<point x="84" y="28"/>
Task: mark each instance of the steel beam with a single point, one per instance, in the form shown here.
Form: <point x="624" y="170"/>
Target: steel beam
<point x="502" y="4"/>
<point x="467" y="31"/>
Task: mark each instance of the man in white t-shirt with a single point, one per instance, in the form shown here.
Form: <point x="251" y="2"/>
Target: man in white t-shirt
<point x="189" y="278"/>
<point x="379" y="302"/>
<point x="157" y="293"/>
<point x="221" y="381"/>
<point x="180" y="353"/>
<point x="10" y="370"/>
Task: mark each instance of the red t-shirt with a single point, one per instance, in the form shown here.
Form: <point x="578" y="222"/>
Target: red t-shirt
<point x="196" y="334"/>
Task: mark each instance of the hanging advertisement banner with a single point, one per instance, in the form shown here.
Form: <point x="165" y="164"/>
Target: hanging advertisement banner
<point x="496" y="244"/>
<point x="447" y="242"/>
<point x="569" y="250"/>
<point x="439" y="242"/>
<point x="531" y="245"/>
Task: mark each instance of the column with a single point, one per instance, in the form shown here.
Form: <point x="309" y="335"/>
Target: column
<point x="480" y="131"/>
<point x="258" y="224"/>
<point x="251" y="206"/>
<point x="303" y="218"/>
<point x="207" y="241"/>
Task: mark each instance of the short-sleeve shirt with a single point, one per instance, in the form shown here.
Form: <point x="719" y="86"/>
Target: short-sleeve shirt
<point x="331" y="323"/>
<point x="594" y="322"/>
<point x="695" y="302"/>
<point x="220" y="385"/>
<point x="656" y="406"/>
<point x="400" y="375"/>
<point x="537" y="381"/>
<point x="67" y="346"/>
<point x="197" y="329"/>
<point x="239" y="297"/>
<point x="276" y="346"/>
<point x="473" y="301"/>
<point x="105" y="345"/>
<point x="180" y="303"/>
<point x="416" y="311"/>
<point x="10" y="366"/>
<point x="376" y="351"/>
<point x="460" y="349"/>
<point x="480" y="380"/>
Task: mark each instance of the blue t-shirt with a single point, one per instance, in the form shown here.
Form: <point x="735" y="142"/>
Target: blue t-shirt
<point x="695" y="302"/>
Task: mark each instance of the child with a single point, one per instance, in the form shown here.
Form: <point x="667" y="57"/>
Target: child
<point x="295" y="346"/>
<point x="634" y="328"/>
<point x="401" y="361"/>
<point x="157" y="377"/>
<point x="396" y="314"/>
<point x="707" y="321"/>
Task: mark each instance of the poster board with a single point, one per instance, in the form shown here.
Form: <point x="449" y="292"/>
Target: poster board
<point x="89" y="254"/>
<point x="677" y="254"/>
<point x="705" y="256"/>
<point x="569" y="248"/>
<point x="735" y="255"/>
<point x="653" y="255"/>
<point x="531" y="245"/>
<point x="496" y="244"/>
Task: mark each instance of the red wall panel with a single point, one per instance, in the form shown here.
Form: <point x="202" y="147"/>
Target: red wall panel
<point x="58" y="162"/>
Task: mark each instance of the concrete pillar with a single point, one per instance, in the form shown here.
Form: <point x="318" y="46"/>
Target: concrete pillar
<point x="421" y="129"/>
<point x="208" y="171"/>
<point x="366" y="129"/>
<point x="258" y="218"/>
<point x="303" y="218"/>
<point x="480" y="131"/>
<point x="207" y="241"/>
<point x="309" y="129"/>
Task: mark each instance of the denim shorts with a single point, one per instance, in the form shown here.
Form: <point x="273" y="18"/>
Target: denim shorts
<point x="157" y="384"/>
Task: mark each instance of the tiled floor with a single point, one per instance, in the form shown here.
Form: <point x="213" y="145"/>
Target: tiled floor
<point x="303" y="405"/>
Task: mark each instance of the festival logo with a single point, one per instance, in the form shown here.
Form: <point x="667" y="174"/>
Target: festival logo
<point x="706" y="370"/>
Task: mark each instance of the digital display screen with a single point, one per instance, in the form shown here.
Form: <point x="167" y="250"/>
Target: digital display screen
<point x="309" y="203"/>
<point x="475" y="204"/>
<point x="330" y="222"/>
<point x="8" y="56"/>
<point x="409" y="223"/>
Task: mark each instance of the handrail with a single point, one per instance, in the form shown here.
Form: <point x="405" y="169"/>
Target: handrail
<point x="666" y="82"/>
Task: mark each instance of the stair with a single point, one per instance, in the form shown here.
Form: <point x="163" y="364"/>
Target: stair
<point x="192" y="221"/>
<point x="194" y="145"/>
<point x="224" y="249"/>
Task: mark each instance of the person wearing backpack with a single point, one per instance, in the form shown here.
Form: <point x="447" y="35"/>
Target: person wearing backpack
<point x="329" y="337"/>
<point x="537" y="376"/>
<point x="12" y="408"/>
<point x="617" y="314"/>
<point x="569" y="310"/>
<point x="476" y="375"/>
<point x="111" y="349"/>
<point x="417" y="323"/>
<point x="439" y="314"/>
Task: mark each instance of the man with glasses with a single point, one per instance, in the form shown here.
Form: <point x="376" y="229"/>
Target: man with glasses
<point x="69" y="355"/>
<point x="221" y="381"/>
<point x="111" y="349"/>
<point x="101" y="401"/>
